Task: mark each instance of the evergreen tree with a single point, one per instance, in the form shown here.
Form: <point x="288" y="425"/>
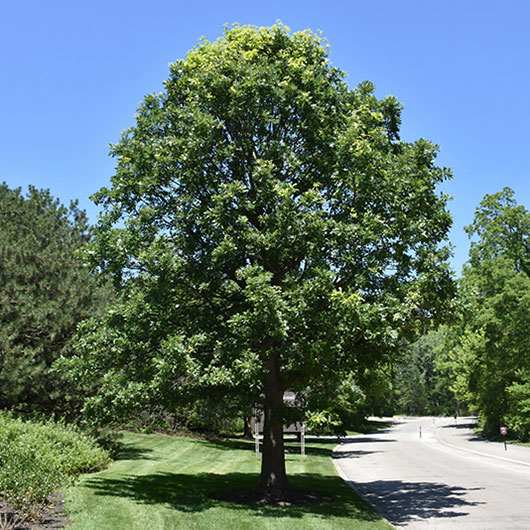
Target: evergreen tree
<point x="44" y="293"/>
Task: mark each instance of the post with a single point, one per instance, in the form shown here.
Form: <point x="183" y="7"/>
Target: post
<point x="504" y="432"/>
<point x="256" y="439"/>
<point x="302" y="441"/>
<point x="420" y="431"/>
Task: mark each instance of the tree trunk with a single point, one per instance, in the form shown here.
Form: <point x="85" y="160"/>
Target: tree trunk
<point x="273" y="481"/>
<point x="247" y="429"/>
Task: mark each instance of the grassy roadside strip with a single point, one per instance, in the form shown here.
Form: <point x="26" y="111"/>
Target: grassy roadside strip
<point x="479" y="431"/>
<point x="167" y="482"/>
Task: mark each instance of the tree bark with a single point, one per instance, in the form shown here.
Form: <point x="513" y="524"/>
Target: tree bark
<point x="247" y="429"/>
<point x="273" y="480"/>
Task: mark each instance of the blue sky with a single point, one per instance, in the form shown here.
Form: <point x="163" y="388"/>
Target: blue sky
<point x="73" y="74"/>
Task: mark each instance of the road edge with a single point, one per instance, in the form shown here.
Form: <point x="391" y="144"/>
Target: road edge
<point x="480" y="453"/>
<point x="351" y="484"/>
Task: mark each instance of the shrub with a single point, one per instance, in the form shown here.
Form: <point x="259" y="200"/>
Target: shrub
<point x="36" y="458"/>
<point x="323" y="422"/>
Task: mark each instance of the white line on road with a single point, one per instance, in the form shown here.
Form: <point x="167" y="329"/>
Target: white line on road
<point x="457" y="450"/>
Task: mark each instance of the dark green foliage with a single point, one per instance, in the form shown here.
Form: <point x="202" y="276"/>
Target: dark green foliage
<point x="495" y="341"/>
<point x="333" y="405"/>
<point x="267" y="228"/>
<point x="44" y="293"/>
<point x="377" y="387"/>
<point x="518" y="412"/>
<point x="421" y="384"/>
<point x="490" y="348"/>
<point x="37" y="458"/>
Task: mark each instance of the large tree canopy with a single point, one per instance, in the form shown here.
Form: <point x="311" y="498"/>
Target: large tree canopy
<point x="267" y="227"/>
<point x="44" y="293"/>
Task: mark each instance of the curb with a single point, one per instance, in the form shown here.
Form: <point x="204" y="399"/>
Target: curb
<point x="494" y="457"/>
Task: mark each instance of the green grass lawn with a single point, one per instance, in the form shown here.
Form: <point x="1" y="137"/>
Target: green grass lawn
<point x="167" y="482"/>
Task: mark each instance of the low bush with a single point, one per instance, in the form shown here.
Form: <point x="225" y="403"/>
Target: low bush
<point x="36" y="458"/>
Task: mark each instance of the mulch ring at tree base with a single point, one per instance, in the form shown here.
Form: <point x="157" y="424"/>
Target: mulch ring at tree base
<point x="53" y="519"/>
<point x="257" y="497"/>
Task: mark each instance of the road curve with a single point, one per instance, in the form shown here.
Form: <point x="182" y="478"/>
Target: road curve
<point x="433" y="473"/>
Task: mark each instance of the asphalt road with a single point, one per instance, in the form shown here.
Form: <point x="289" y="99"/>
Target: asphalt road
<point x="445" y="479"/>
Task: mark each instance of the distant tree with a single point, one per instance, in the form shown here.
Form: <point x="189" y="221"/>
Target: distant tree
<point x="44" y="293"/>
<point x="500" y="229"/>
<point x="490" y="351"/>
<point x="493" y="343"/>
<point x="420" y="379"/>
<point x="376" y="384"/>
<point x="267" y="228"/>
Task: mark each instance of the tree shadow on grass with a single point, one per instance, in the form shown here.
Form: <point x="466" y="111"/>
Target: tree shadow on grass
<point x="291" y="446"/>
<point x="130" y="452"/>
<point x="197" y="492"/>
<point x="295" y="448"/>
<point x="229" y="444"/>
<point x="333" y="441"/>
<point x="402" y="502"/>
